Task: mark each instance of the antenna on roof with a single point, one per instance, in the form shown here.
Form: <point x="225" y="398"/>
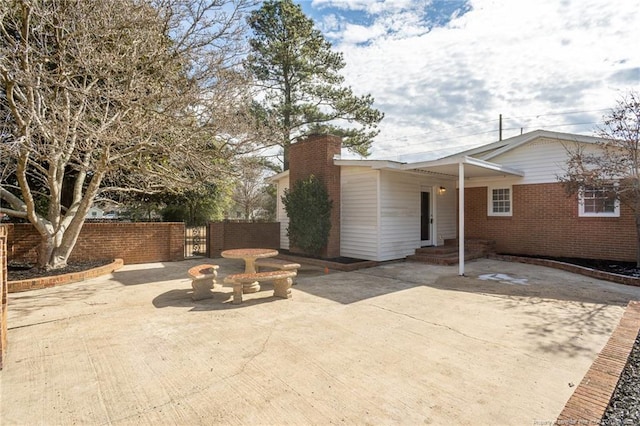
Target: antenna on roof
<point x="500" y="128"/>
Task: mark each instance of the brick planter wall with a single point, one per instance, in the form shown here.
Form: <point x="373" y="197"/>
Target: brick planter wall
<point x="3" y="292"/>
<point x="545" y="222"/>
<point x="131" y="242"/>
<point x="591" y="398"/>
<point x="231" y="235"/>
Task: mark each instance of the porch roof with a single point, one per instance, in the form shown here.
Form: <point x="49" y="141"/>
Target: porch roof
<point x="445" y="168"/>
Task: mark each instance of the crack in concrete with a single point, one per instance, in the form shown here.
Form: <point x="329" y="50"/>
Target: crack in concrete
<point x="252" y="357"/>
<point x="450" y="329"/>
<point x="48" y="322"/>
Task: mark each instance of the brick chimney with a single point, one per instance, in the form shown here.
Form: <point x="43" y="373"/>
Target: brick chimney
<point x="314" y="156"/>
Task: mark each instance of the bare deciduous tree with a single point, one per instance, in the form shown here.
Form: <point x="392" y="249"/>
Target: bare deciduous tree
<point x="250" y="194"/>
<point x="613" y="167"/>
<point x="118" y="95"/>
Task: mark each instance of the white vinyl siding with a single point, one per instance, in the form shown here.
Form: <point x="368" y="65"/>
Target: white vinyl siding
<point x="399" y="215"/>
<point x="542" y="160"/>
<point x="281" y="213"/>
<point x="446" y="206"/>
<point x="380" y="213"/>
<point x="359" y="213"/>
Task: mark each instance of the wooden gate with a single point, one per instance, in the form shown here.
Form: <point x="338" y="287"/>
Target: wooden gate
<point x="195" y="241"/>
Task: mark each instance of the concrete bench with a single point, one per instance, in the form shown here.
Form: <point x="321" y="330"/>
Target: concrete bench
<point x="203" y="279"/>
<point x="283" y="265"/>
<point x="281" y="283"/>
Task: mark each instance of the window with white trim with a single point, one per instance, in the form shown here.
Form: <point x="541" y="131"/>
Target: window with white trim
<point x="500" y="202"/>
<point x="594" y="202"/>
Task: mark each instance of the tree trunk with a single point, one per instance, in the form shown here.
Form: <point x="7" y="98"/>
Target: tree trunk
<point x="51" y="257"/>
<point x="56" y="245"/>
<point x="44" y="251"/>
<point x="285" y="156"/>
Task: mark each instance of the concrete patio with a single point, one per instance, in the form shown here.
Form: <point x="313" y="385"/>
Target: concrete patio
<point x="401" y="343"/>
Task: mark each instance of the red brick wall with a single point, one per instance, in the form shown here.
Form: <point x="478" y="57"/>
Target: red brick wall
<point x="545" y="222"/>
<point x="231" y="235"/>
<point x="314" y="156"/>
<point x="131" y="242"/>
<point x="3" y="293"/>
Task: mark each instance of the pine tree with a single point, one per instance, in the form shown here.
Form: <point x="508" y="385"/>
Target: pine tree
<point x="301" y="85"/>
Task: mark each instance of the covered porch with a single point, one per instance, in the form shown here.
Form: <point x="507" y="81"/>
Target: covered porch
<point x="463" y="168"/>
<point x="437" y="175"/>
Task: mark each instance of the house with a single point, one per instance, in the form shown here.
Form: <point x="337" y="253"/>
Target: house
<point x="385" y="210"/>
<point x="95" y="213"/>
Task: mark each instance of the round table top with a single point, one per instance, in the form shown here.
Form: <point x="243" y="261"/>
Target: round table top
<point x="255" y="253"/>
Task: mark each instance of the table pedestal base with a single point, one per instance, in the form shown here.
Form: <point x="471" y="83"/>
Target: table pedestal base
<point x="253" y="287"/>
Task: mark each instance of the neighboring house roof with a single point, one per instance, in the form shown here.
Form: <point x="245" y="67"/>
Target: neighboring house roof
<point x="491" y="150"/>
<point x="277" y="177"/>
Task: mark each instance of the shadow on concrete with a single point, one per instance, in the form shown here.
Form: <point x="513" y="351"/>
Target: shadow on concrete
<point x="221" y="300"/>
<point x="555" y="288"/>
<point x="157" y="272"/>
<point x="34" y="301"/>
<point x="564" y="307"/>
<point x="170" y="271"/>
<point x="555" y="327"/>
<point x="352" y="287"/>
<point x="567" y="329"/>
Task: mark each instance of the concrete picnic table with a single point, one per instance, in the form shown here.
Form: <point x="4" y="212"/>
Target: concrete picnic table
<point x="249" y="255"/>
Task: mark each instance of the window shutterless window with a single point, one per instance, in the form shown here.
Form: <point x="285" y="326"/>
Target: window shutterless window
<point x="597" y="202"/>
<point x="500" y="202"/>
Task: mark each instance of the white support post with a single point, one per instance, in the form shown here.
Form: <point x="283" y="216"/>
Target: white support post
<point x="461" y="218"/>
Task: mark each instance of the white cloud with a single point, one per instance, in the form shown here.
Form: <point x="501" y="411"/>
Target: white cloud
<point x="386" y="18"/>
<point x="370" y="6"/>
<point x="523" y="59"/>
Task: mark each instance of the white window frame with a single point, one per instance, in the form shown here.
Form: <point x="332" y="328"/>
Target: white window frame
<point x="582" y="213"/>
<point x="490" y="190"/>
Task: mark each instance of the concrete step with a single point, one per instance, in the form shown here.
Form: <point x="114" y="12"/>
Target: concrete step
<point x="444" y="259"/>
<point x="486" y="246"/>
<point x="437" y="250"/>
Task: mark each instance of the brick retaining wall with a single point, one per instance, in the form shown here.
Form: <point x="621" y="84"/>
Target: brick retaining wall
<point x="56" y="280"/>
<point x="3" y="292"/>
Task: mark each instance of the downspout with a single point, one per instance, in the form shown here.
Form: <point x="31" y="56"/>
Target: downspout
<point x="461" y="217"/>
<point x="378" y="215"/>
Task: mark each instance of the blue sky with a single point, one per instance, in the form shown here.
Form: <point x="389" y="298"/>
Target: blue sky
<point x="443" y="71"/>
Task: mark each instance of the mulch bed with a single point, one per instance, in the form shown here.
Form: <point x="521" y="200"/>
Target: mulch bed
<point x="26" y="271"/>
<point x="612" y="266"/>
<point x="624" y="407"/>
<point x="341" y="259"/>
